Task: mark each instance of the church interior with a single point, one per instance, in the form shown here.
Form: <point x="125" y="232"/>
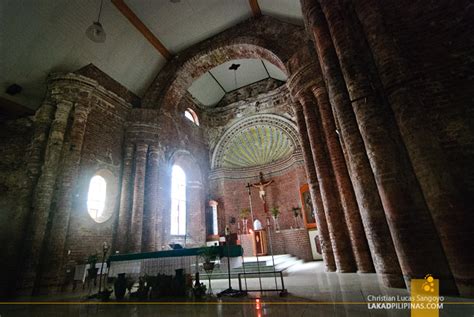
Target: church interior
<point x="303" y="151"/>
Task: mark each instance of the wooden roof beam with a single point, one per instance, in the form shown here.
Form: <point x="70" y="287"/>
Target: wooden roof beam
<point x="141" y="27"/>
<point x="255" y="8"/>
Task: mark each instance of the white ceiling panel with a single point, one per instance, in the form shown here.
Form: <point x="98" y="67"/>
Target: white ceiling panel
<point x="40" y="37"/>
<point x="250" y="71"/>
<point x="285" y="10"/>
<point x="206" y="90"/>
<point x="187" y="22"/>
<point x="274" y="71"/>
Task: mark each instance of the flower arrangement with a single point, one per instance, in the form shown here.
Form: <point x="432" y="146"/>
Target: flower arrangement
<point x="275" y="211"/>
<point x="244" y="213"/>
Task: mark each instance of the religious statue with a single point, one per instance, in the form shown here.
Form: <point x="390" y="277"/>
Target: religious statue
<point x="257" y="225"/>
<point x="261" y="187"/>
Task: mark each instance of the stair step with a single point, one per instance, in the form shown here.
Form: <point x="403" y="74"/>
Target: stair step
<point x="282" y="262"/>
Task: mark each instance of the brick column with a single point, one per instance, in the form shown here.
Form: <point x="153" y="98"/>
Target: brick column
<point x="54" y="252"/>
<point x="447" y="203"/>
<point x="151" y="240"/>
<point x="195" y="212"/>
<point x="125" y="210"/>
<point x="414" y="235"/>
<point x="136" y="225"/>
<point x="44" y="194"/>
<point x="366" y="191"/>
<point x="322" y="226"/>
<point x="341" y="244"/>
<point x="43" y="119"/>
<point x="344" y="185"/>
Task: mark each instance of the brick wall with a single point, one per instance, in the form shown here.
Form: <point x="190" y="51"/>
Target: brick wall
<point x="102" y="149"/>
<point x="14" y="140"/>
<point x="289" y="241"/>
<point x="232" y="196"/>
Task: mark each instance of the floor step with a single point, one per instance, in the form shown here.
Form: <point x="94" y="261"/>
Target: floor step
<point x="264" y="264"/>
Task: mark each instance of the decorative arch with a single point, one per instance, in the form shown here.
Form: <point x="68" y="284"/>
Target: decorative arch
<point x="188" y="163"/>
<point x="249" y="39"/>
<point x="269" y="120"/>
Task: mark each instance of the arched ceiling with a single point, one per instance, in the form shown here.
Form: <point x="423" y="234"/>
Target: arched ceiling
<point x="257" y="145"/>
<point x="256" y="140"/>
<point x="45" y="37"/>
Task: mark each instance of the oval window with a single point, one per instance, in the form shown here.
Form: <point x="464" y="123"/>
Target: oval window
<point x="96" y="197"/>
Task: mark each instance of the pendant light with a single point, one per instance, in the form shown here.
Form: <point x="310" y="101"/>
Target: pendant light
<point x="96" y="32"/>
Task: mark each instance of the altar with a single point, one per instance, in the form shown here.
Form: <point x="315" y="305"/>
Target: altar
<point x="166" y="262"/>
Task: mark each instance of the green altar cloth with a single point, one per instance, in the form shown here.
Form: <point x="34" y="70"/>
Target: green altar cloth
<point x="234" y="251"/>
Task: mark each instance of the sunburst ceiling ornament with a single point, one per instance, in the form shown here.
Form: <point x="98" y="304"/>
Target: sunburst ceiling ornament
<point x="257" y="145"/>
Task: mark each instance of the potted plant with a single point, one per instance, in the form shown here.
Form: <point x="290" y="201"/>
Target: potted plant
<point x="199" y="289"/>
<point x="244" y="214"/>
<point x="275" y="211"/>
<point x="208" y="254"/>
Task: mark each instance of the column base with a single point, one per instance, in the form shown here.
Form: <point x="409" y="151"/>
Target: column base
<point x="329" y="269"/>
<point x="346" y="271"/>
<point x="391" y="280"/>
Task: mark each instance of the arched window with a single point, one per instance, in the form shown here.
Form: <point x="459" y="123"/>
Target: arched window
<point x="191" y="116"/>
<point x="96" y="197"/>
<point x="178" y="201"/>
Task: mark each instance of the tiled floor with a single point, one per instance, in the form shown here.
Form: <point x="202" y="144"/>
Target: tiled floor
<point x="312" y="292"/>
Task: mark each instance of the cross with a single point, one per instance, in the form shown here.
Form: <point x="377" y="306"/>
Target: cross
<point x="261" y="190"/>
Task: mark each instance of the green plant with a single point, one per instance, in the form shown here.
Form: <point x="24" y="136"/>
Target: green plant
<point x="275" y="211"/>
<point x="244" y="213"/>
<point x="199" y="290"/>
<point x="209" y="254"/>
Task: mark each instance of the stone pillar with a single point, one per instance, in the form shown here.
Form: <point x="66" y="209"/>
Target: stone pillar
<point x="447" y="203"/>
<point x="151" y="237"/>
<point x="413" y="232"/>
<point x="344" y="185"/>
<point x="341" y="244"/>
<point x="125" y="210"/>
<point x="54" y="250"/>
<point x="214" y="229"/>
<point x="322" y="226"/>
<point x="44" y="194"/>
<point x="370" y="206"/>
<point x="136" y="225"/>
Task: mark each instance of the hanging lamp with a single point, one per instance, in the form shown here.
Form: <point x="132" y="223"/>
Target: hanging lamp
<point x="96" y="32"/>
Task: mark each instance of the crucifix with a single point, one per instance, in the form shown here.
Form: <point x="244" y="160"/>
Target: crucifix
<point x="261" y="190"/>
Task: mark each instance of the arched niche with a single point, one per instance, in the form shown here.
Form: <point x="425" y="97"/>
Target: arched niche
<point x="285" y="126"/>
<point x="195" y="200"/>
